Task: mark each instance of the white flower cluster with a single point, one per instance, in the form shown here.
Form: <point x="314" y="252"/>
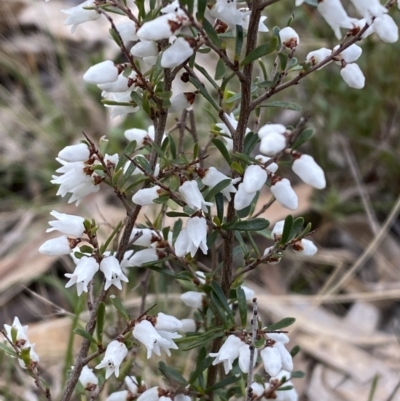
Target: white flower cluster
<point x="17" y="334"/>
<point x="268" y="392"/>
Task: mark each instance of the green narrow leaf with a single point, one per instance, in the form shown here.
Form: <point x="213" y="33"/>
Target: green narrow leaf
<point x="104" y="247"/>
<point x="219" y="202"/>
<point x="305" y="231"/>
<point x="237" y="167"/>
<point x="212" y="238"/>
<point x="221" y="296"/>
<point x="217" y="189"/>
<point x="14" y="331"/>
<point x="220" y="70"/>
<point x="201" y="367"/>
<point x="287" y="321"/>
<point x="223" y="150"/>
<point x="260" y="51"/>
<point x="297" y="374"/>
<point x="176" y="229"/>
<point x="303" y="138"/>
<point x="283" y="58"/>
<point x="211" y="33"/>
<point x="101" y="315"/>
<point x="295" y="350"/>
<point x="8" y="350"/>
<point x="119" y="307"/>
<point x="172" y="147"/>
<point x="84" y="334"/>
<point x="177" y="214"/>
<point x="296" y="228"/>
<point x="223" y="383"/>
<point x="257" y="224"/>
<point x="207" y="75"/>
<point x="287" y="227"/>
<point x="241" y="297"/>
<point x="239" y="42"/>
<point x="204" y="92"/>
<point x="250" y="141"/>
<point x="130" y="148"/>
<point x="284" y="105"/>
<point x="172" y="374"/>
<point x="201" y="8"/>
<point x="196" y="150"/>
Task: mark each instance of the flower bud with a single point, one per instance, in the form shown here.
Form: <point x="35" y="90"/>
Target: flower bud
<point x="88" y="379"/>
<point x="162" y="27"/>
<point x="140" y="135"/>
<point x="144" y="256"/>
<point x="144" y="48"/>
<point x="188" y="326"/>
<point x="254" y="178"/>
<point x="212" y="177"/>
<point x="309" y="171"/>
<point x="181" y="102"/>
<point x="349" y="55"/>
<point x="353" y="76"/>
<point x="243" y="198"/>
<point x="119" y="396"/>
<point x="284" y="194"/>
<point x="127" y="31"/>
<point x="272" y="139"/>
<point x="177" y="53"/>
<point x="272" y="360"/>
<point x="167" y="322"/>
<point x="386" y="28"/>
<point x="316" y="56"/>
<point x="369" y="8"/>
<point x="271" y="168"/>
<point x="75" y="153"/>
<point x="121" y="85"/>
<point x="146" y="196"/>
<point x="305" y="247"/>
<point x="101" y="73"/>
<point x="132" y="384"/>
<point x="67" y="224"/>
<point x="277" y="231"/>
<point x="149" y="395"/>
<point x="193" y="299"/>
<point x="191" y="194"/>
<point x="289" y="37"/>
<point x="57" y="246"/>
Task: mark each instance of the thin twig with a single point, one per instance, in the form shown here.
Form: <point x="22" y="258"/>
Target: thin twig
<point x="252" y="349"/>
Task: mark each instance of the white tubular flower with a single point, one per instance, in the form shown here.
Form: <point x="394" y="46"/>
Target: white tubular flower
<point x="213" y="177"/>
<point x="258" y="389"/>
<point x="167" y="322"/>
<point x="75" y="153"/>
<point x="147" y="237"/>
<point x="261" y="25"/>
<point x="254" y="178"/>
<point x="132" y="384"/>
<point x="277" y="231"/>
<point x="57" y="246"/>
<point x="369" y="9"/>
<point x="271" y="168"/>
<point x="149" y="395"/>
<point x="289" y="395"/>
<point x="119" y="396"/>
<point x="316" y="56"/>
<point x="349" y="55"/>
<point x="225" y="130"/>
<point x="386" y="28"/>
<point x="78" y="15"/>
<point x="112" y="272"/>
<point x="173" y="7"/>
<point x="305" y="247"/>
<point x="101" y="73"/>
<point x="191" y="194"/>
<point x="121" y="110"/>
<point x="193" y="299"/>
<point x="21" y="337"/>
<point x="335" y="15"/>
<point x="67" y="224"/>
<point x="289" y="37"/>
<point x="272" y="138"/>
<point x="146" y="196"/>
<point x="140" y="135"/>
<point x="228" y="353"/>
<point x="181" y="102"/>
<point x="286" y="358"/>
<point x="279" y="337"/>
<point x="243" y="198"/>
<point x="88" y="379"/>
<point x="152" y="339"/>
<point x="182" y="397"/>
<point x="33" y="356"/>
<point x="177" y="53"/>
<point x="188" y="326"/>
<point x="244" y="357"/>
<point x="226" y="11"/>
<point x="122" y="84"/>
<point x="309" y="171"/>
<point x="191" y="238"/>
<point x="144" y="256"/>
<point x="115" y="353"/>
<point x="162" y="27"/>
<point x="84" y="272"/>
<point x="353" y="76"/>
<point x="284" y="194"/>
<point x="272" y="360"/>
<point x="127" y="31"/>
<point x="145" y="48"/>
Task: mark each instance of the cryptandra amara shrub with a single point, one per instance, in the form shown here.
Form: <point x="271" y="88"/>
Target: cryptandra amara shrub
<point x="161" y="44"/>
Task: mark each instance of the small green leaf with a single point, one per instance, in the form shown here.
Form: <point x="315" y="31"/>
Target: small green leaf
<point x="237" y="167"/>
<point x="8" y="350"/>
<point x="14" y="334"/>
<point x="217" y="189"/>
<point x="241" y="297"/>
<point x="239" y="42"/>
<point x="219" y="202"/>
<point x="260" y="51"/>
<point x="303" y="138"/>
<point x="211" y="33"/>
<point x="221" y="296"/>
<point x="101" y="315"/>
<point x="119" y="307"/>
<point x="296" y="228"/>
<point x="287" y="321"/>
<point x="297" y="374"/>
<point x="207" y="75"/>
<point x="283" y="58"/>
<point x="204" y="92"/>
<point x="84" y="334"/>
<point x="177" y="214"/>
<point x="220" y="70"/>
<point x="250" y="141"/>
<point x="172" y="374"/>
<point x="284" y="105"/>
<point x="223" y="150"/>
<point x="130" y="148"/>
<point x="295" y="350"/>
<point x="247" y="225"/>
<point x="205" y="364"/>
<point x="287" y="227"/>
<point x="223" y="383"/>
<point x="86" y="249"/>
<point x="201" y="7"/>
<point x="104" y="247"/>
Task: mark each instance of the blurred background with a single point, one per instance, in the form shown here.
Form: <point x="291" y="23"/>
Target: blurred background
<point x="345" y="298"/>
